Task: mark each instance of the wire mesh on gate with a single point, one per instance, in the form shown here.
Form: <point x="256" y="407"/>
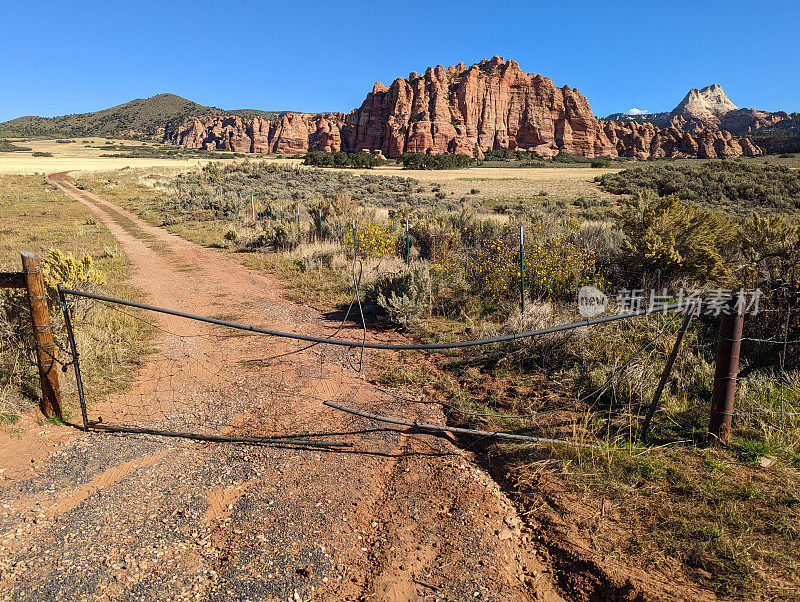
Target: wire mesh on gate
<point x="213" y="376"/>
<point x="178" y="376"/>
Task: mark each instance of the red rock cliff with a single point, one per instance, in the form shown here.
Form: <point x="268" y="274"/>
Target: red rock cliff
<point x="463" y="110"/>
<point x="491" y="105"/>
<point x="291" y="133"/>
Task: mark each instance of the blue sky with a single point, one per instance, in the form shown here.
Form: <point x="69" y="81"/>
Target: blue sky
<point x="71" y="57"/>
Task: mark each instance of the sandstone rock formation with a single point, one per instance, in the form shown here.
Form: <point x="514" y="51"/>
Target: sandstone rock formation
<point x="646" y="141"/>
<point x="464" y="110"/>
<point x="291" y="133"/>
<point x="469" y="110"/>
<point x="708" y="105"/>
<point x="746" y="121"/>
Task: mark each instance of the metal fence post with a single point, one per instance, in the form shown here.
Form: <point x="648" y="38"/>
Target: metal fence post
<point x="522" y="270"/>
<point x="43" y="334"/>
<point x="408" y="245"/>
<point x="726" y="371"/>
<point x="355" y="243"/>
<point x="665" y="374"/>
<point x="75" y="356"/>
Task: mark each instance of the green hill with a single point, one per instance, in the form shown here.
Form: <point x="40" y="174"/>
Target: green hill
<point x="783" y="137"/>
<point x="147" y="117"/>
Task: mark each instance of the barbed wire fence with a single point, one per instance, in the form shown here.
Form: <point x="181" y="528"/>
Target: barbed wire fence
<point x="769" y="391"/>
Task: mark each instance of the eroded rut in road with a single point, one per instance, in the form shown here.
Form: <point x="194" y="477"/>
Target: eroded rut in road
<point x="399" y="516"/>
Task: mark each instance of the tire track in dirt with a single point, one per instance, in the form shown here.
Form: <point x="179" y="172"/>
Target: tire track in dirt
<point x="221" y="501"/>
<point x="70" y="499"/>
<point x="403" y="516"/>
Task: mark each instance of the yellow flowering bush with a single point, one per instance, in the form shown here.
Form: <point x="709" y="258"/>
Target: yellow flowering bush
<point x="554" y="268"/>
<point x="372" y="240"/>
<point x="68" y="271"/>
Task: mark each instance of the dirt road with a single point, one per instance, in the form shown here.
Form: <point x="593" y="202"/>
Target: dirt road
<point x="400" y="516"/>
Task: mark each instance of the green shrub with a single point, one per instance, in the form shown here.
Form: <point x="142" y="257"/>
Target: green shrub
<point x="360" y="160"/>
<point x="507" y="154"/>
<point x="554" y="268"/>
<point x="372" y="240"/>
<point x="284" y="236"/>
<point x="444" y="161"/>
<point x="8" y="147"/>
<point x="42" y="154"/>
<point x="680" y="241"/>
<point x="721" y="185"/>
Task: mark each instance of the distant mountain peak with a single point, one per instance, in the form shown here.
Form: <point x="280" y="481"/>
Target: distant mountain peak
<point x="709" y="100"/>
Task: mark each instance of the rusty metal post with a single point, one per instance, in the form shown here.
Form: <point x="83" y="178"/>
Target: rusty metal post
<point x="726" y="371"/>
<point x="43" y="334"/>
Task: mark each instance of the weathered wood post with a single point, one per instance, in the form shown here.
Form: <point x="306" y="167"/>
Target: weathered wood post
<point x="43" y="334"/>
<point x="726" y="371"/>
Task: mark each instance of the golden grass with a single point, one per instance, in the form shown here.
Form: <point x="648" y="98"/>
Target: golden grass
<point x="75" y="156"/>
<point x="513" y="183"/>
<point x="35" y="216"/>
<point x="500" y="183"/>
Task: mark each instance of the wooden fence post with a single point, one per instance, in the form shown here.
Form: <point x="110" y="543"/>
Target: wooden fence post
<point x="42" y="332"/>
<point x="726" y="371"/>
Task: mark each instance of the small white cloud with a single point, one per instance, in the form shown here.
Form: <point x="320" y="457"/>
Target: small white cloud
<point x="635" y="111"/>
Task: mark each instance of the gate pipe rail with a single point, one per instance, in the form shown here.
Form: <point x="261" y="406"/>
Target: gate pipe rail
<point x="218" y="438"/>
<point x="369" y="345"/>
<point x="454" y="429"/>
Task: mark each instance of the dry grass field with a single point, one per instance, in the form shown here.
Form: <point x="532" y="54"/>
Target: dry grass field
<point x="79" y="155"/>
<point x="497" y="184"/>
<point x="35" y="217"/>
<point x="508" y="183"/>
